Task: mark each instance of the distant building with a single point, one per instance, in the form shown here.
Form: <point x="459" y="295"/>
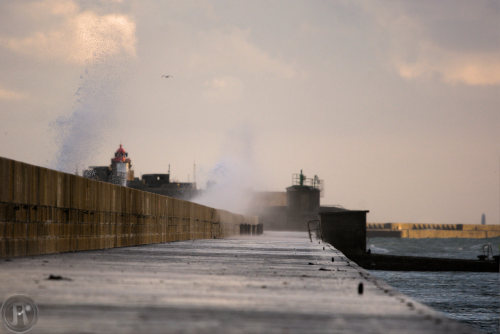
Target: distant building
<point x="271" y="208"/>
<point x="120" y="172"/>
<point x="290" y="210"/>
<point x="262" y="199"/>
<point x="160" y="184"/>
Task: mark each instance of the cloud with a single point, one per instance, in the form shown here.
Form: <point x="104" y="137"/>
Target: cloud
<point x="79" y="37"/>
<point x="469" y="69"/>
<point x="10" y="95"/>
<point x="225" y="88"/>
<point x="233" y="51"/>
<point x="432" y="42"/>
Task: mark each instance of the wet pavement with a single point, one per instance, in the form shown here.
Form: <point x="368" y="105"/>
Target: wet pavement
<point x="279" y="282"/>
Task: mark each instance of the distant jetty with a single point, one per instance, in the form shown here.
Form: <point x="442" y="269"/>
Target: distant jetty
<point x="420" y="231"/>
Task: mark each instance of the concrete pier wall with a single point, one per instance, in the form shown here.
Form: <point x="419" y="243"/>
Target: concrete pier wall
<point x="43" y="211"/>
<point x="278" y="283"/>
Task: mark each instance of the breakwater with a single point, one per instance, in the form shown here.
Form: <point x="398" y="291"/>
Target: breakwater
<point x="346" y="231"/>
<point x="44" y="211"/>
<point x="419" y="231"/>
<point x="421" y="263"/>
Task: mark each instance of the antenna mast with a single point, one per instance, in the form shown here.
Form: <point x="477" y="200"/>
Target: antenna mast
<point x="194" y="173"/>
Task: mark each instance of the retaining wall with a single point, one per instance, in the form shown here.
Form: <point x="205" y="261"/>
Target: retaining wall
<point x="43" y="211"/>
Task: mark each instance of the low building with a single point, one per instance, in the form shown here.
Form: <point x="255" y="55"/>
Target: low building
<point x="120" y="172"/>
<point x="290" y="210"/>
<point x="160" y="184"/>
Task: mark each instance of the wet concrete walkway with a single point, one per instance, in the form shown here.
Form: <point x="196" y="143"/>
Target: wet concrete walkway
<point x="279" y="282"/>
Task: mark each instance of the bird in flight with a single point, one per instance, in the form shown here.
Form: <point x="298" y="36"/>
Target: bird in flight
<point x="166" y="76"/>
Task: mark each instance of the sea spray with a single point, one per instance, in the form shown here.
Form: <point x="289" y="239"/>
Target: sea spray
<point x="104" y="44"/>
<point x="231" y="182"/>
<point x="227" y="187"/>
<point x="93" y="115"/>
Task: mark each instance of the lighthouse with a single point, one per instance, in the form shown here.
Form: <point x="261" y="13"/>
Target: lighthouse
<point x="121" y="167"/>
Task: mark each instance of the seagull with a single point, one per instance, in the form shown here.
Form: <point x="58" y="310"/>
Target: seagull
<point x="166" y="76"/>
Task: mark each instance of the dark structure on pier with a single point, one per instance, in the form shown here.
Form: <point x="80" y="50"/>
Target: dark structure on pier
<point x="302" y="200"/>
<point x="345" y="230"/>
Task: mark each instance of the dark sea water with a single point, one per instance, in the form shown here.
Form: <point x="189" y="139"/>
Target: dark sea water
<point x="473" y="298"/>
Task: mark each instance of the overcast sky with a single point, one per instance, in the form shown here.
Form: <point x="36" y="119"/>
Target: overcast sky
<point x="395" y="104"/>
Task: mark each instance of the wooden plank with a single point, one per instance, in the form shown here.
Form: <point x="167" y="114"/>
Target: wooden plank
<point x="6" y="180"/>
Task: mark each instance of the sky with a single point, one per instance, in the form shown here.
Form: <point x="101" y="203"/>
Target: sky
<point x="394" y="104"/>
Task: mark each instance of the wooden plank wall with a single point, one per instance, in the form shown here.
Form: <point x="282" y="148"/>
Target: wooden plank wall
<point x="43" y="211"/>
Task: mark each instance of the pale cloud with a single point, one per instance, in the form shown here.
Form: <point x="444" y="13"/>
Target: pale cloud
<point x="60" y="7"/>
<point x="47" y="7"/>
<point x="81" y="37"/>
<point x="479" y="70"/>
<point x="233" y="50"/>
<point x="225" y="88"/>
<point x="471" y="69"/>
<point x="10" y="95"/>
<point x="416" y="52"/>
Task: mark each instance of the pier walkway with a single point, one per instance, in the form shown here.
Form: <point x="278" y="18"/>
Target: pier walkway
<point x="279" y="282"/>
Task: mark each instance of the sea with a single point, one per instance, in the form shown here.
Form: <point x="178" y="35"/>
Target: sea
<point x="469" y="297"/>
